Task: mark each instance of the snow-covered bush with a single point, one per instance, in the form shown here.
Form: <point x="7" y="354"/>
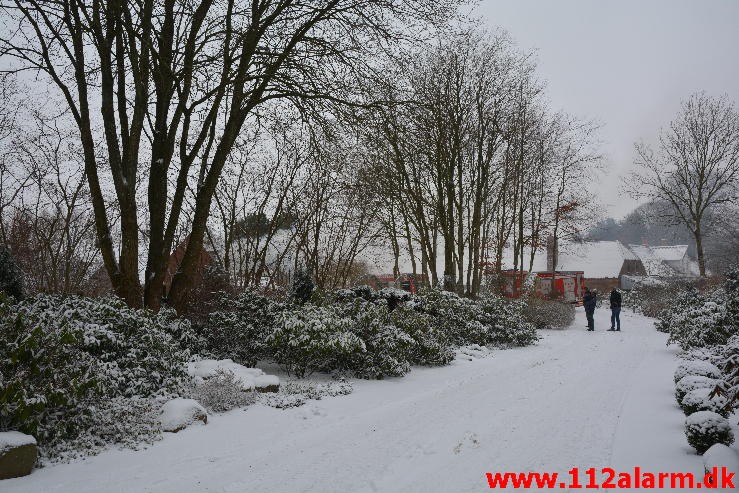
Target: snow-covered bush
<point x="547" y="314"/>
<point x="239" y="330"/>
<point x="317" y="391"/>
<point x="719" y="455"/>
<point x="653" y="296"/>
<point x="11" y="279"/>
<point x="729" y="354"/>
<point x="349" y="294"/>
<point x="731" y="283"/>
<point x="295" y="394"/>
<point x="728" y="388"/>
<point x="490" y="320"/>
<point x="369" y="344"/>
<point x="180" y="329"/>
<point x="705" y="428"/>
<point x="279" y="400"/>
<point x="124" y="422"/>
<point x="678" y="303"/>
<point x="394" y="297"/>
<point x="386" y="347"/>
<point x="221" y="392"/>
<point x="391" y="297"/>
<point x="699" y="368"/>
<point x="506" y="321"/>
<point x="66" y="356"/>
<point x="700" y="320"/>
<point x="724" y="350"/>
<point x="731" y="288"/>
<point x="309" y="338"/>
<point x="302" y="287"/>
<point x="359" y="338"/>
<point x="692" y="382"/>
<point x="431" y="345"/>
<point x="372" y="334"/>
<point x="701" y="399"/>
<point x="456" y="316"/>
<point x="709" y="355"/>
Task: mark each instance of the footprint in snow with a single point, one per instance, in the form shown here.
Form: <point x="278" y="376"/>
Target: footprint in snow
<point x="470" y="440"/>
<point x="310" y="411"/>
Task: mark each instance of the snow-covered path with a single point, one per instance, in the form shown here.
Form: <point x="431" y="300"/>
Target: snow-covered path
<point x="575" y="399"/>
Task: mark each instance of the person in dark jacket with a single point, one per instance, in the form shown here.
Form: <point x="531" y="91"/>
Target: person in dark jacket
<point x="615" y="310"/>
<point x="589" y="300"/>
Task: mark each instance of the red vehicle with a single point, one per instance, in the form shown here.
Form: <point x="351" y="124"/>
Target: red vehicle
<point x="568" y="286"/>
<point x="407" y="282"/>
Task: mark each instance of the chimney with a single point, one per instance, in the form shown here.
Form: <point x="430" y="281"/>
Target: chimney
<point x="552" y="253"/>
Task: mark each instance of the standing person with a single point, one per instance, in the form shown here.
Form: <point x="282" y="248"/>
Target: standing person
<point x="615" y="310"/>
<point x="589" y="301"/>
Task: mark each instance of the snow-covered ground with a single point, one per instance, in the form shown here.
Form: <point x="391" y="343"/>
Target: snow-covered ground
<point x="575" y="399"/>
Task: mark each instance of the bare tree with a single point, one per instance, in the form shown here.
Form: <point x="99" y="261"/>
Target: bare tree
<point x="255" y="205"/>
<point x="472" y="164"/>
<point x="48" y="225"/>
<point x="13" y="178"/>
<point x="695" y="168"/>
<point x="336" y="213"/>
<point x="440" y="164"/>
<point x="723" y="249"/>
<point x="574" y="161"/>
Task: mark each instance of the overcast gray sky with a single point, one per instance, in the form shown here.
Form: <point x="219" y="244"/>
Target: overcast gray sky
<point x="626" y="63"/>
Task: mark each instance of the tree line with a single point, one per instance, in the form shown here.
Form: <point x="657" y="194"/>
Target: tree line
<point x="159" y="92"/>
<point x="276" y="135"/>
<point x="478" y="164"/>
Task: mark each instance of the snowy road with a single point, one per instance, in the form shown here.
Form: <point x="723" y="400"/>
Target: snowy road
<point x="575" y="399"/>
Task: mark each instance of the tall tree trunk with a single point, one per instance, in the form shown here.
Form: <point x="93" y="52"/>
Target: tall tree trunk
<point x="185" y="278"/>
<point x="698" y="234"/>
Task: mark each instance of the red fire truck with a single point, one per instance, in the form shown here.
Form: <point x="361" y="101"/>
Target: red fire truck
<point x="564" y="285"/>
<point x="407" y="282"/>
